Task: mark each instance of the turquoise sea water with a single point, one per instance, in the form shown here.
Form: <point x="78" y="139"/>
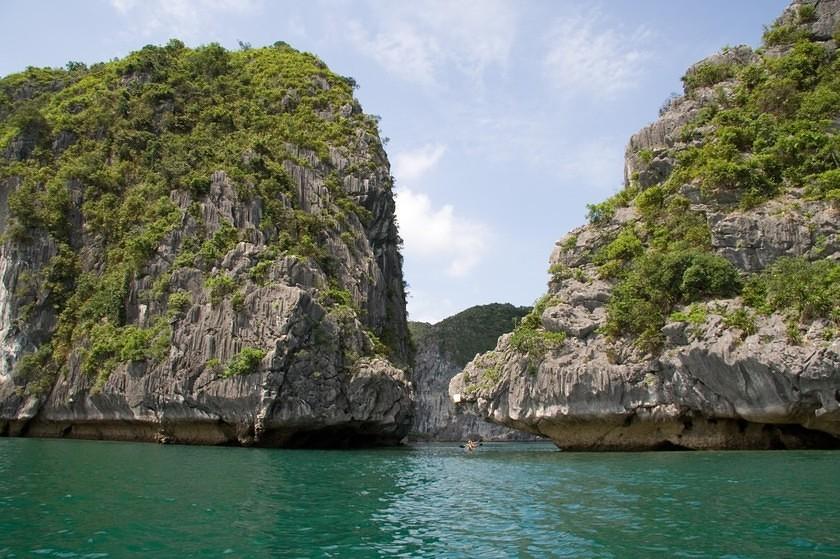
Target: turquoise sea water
<point x="99" y="499"/>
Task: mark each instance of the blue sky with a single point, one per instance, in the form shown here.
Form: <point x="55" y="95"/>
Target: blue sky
<point x="505" y="118"/>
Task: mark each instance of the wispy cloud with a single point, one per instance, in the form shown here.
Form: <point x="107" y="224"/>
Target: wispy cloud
<point x="434" y="234"/>
<point x="476" y="33"/>
<point x="417" y="41"/>
<point x="401" y="51"/>
<point x="511" y="136"/>
<point x="550" y="146"/>
<point x="429" y="307"/>
<point x="589" y="55"/>
<point x="438" y="235"/>
<point x="180" y="18"/>
<point x="411" y="165"/>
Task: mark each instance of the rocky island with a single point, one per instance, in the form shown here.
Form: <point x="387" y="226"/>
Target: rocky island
<point x="199" y="246"/>
<point x="700" y="307"/>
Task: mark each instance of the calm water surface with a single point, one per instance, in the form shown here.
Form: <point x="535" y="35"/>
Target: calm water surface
<point x="97" y="499"/>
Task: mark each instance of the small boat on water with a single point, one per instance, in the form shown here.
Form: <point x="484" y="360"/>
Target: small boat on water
<point x="471" y="445"/>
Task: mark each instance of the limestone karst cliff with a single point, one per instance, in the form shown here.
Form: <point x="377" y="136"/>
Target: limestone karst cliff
<point x="700" y="307"/>
<point x="442" y="350"/>
<point x="198" y="246"/>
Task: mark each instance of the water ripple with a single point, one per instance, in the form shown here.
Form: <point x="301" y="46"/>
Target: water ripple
<point x="96" y="500"/>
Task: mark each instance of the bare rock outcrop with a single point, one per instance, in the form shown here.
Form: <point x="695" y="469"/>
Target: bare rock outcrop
<point x="712" y="387"/>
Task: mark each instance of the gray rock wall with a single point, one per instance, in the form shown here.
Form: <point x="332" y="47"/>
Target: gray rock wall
<point x="711" y="388"/>
<point x="321" y="382"/>
<point x="436" y="418"/>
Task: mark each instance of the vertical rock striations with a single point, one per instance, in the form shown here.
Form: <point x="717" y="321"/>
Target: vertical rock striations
<point x="199" y="246"/>
<point x="700" y="307"/>
<point x="442" y="350"/>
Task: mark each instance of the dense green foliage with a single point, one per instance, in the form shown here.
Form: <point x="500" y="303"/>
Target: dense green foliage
<point x="36" y="371"/>
<point x="245" y="362"/>
<point x="220" y="286"/>
<point x="178" y="303"/>
<point x="790" y="32"/>
<point x="657" y="282"/>
<point x="99" y="151"/>
<point x="773" y="128"/>
<point x="602" y="212"/>
<point x="334" y="295"/>
<point x="560" y="272"/>
<point x="530" y="337"/>
<point x="743" y="320"/>
<point x="110" y="345"/>
<point x="800" y="289"/>
<point x="707" y="74"/>
<point x="695" y="315"/>
<point x="614" y="256"/>
<point x="774" y="131"/>
<point x="474" y="330"/>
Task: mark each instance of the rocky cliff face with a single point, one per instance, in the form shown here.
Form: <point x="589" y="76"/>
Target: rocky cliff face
<point x="442" y="351"/>
<point x="700" y="308"/>
<point x="198" y="247"/>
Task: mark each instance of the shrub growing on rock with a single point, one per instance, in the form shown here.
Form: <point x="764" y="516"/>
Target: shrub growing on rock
<point x="708" y="74"/>
<point x="657" y="282"/>
<point x="245" y="362"/>
<point x="804" y="290"/>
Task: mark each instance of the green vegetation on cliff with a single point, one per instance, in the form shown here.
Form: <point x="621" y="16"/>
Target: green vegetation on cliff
<point x="776" y="129"/>
<point x="771" y="126"/>
<point x="530" y="337"/>
<point x="101" y="159"/>
<point x="800" y="289"/>
<point x="471" y="331"/>
<point x="244" y="362"/>
<point x="656" y="282"/>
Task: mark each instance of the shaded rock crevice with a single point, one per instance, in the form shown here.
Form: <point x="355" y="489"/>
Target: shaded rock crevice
<point x="442" y="351"/>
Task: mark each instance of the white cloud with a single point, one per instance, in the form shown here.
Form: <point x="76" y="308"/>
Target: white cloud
<point x="506" y="136"/>
<point x="545" y="144"/>
<point x="476" y="33"/>
<point x="425" y="307"/>
<point x="438" y="235"/>
<point x="587" y="56"/>
<point x="416" y="40"/>
<point x="123" y="6"/>
<point x="411" y="165"/>
<point x="400" y="50"/>
<point x="435" y="235"/>
<point x="181" y="18"/>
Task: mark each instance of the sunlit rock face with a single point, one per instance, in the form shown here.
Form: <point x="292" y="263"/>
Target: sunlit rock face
<point x="738" y="348"/>
<point x="199" y="247"/>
